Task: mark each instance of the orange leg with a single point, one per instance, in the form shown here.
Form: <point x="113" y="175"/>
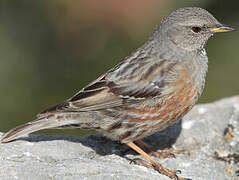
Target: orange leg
<point x="155" y="164"/>
<point x="165" y="153"/>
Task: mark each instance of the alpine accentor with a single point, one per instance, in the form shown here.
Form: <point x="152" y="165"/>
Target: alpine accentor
<point x="148" y="91"/>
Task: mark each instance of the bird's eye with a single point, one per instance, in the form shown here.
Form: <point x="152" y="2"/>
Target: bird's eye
<point x="196" y="29"/>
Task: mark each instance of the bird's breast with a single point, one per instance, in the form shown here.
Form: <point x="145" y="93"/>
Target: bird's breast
<point x="176" y="99"/>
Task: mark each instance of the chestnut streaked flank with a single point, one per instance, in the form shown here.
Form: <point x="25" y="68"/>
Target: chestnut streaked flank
<point x="148" y="91"/>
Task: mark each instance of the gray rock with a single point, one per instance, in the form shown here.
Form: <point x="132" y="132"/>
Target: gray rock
<point x="209" y="134"/>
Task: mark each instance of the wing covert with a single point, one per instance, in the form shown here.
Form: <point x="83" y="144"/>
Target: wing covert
<point x="118" y="87"/>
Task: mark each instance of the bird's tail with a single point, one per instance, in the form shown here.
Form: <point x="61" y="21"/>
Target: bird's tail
<point x="39" y="124"/>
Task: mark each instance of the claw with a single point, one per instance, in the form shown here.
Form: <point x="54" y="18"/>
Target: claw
<point x="237" y="173"/>
<point x="141" y="162"/>
<point x="176" y="177"/>
<point x="134" y="160"/>
<point x="172" y="155"/>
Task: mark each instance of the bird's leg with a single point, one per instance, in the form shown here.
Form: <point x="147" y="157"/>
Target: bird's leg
<point x="165" y="153"/>
<point x="154" y="164"/>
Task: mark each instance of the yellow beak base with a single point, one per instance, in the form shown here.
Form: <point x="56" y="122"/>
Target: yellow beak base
<point x="221" y="29"/>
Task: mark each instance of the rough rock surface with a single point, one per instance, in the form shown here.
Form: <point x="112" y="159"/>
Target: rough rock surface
<point x="209" y="134"/>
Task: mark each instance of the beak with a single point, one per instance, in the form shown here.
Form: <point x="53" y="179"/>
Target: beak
<point x="221" y="28"/>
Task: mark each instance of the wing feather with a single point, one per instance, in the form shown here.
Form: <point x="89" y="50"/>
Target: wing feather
<point x="114" y="89"/>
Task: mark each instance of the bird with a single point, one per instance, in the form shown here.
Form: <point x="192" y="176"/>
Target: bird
<point x="148" y="91"/>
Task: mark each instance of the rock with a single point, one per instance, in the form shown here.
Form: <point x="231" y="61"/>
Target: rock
<point x="209" y="134"/>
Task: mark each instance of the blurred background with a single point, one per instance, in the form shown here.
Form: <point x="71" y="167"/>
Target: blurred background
<point x="50" y="49"/>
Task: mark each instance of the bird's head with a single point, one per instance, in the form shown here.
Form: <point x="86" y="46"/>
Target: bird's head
<point x="190" y="28"/>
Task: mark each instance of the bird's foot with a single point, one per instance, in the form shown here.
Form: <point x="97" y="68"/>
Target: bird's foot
<point x="165" y="153"/>
<point x="172" y="174"/>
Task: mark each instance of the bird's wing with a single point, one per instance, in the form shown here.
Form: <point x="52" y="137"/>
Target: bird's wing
<point x="129" y="82"/>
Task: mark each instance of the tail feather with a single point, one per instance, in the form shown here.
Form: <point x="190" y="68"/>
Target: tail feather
<point x="44" y="123"/>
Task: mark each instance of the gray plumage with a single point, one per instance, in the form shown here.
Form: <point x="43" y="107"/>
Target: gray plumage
<point x="129" y="101"/>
